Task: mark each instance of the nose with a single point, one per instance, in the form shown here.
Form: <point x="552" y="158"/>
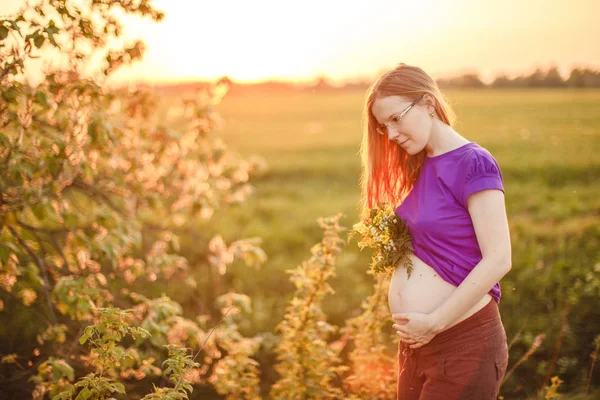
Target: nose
<point x="392" y="133"/>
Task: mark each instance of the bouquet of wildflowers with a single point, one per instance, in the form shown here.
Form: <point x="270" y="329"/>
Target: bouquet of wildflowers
<point x="388" y="235"/>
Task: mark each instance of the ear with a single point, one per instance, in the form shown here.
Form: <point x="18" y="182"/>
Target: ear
<point x="429" y="102"/>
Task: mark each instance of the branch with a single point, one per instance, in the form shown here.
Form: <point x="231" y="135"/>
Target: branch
<point x="42" y="266"/>
<point x="44" y="230"/>
<point x="53" y="241"/>
<point x="95" y="193"/>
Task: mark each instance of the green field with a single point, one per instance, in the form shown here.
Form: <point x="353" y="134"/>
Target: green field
<point x="546" y="142"/>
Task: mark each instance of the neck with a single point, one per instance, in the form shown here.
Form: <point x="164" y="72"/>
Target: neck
<point x="443" y="139"/>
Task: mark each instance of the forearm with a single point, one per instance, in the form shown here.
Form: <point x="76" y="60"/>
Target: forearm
<point x="479" y="282"/>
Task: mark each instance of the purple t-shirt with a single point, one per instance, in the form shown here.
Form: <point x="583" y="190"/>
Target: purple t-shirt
<point x="436" y="212"/>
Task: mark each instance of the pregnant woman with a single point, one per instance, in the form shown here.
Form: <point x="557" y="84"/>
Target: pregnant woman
<point x="452" y="343"/>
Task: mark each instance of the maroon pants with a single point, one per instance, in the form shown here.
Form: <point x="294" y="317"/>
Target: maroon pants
<point x="466" y="361"/>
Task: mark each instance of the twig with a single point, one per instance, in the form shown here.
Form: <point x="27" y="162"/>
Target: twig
<point x="561" y="336"/>
<point x="594" y="357"/>
<point x="203" y="344"/>
<point x="518" y="334"/>
<point x="537" y="342"/>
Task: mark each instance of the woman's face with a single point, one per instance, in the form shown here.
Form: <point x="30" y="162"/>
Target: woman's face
<point x="412" y="132"/>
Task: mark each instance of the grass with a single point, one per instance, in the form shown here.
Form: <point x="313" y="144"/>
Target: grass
<point x="544" y="140"/>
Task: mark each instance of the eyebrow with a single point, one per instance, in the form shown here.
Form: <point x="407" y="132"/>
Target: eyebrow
<point x="400" y="112"/>
<point x="390" y="117"/>
<point x="394" y="114"/>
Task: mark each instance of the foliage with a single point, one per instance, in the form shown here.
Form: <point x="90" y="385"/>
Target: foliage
<point x="54" y="376"/>
<point x="373" y="367"/>
<point x="551" y="392"/>
<point x="104" y="336"/>
<point x="178" y="364"/>
<point x="308" y="367"/>
<point x="97" y="188"/>
<point x="236" y="375"/>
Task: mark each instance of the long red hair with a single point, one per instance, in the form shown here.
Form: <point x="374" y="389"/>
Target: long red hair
<point x="388" y="172"/>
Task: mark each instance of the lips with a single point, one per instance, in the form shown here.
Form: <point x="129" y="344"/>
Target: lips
<point x="404" y="142"/>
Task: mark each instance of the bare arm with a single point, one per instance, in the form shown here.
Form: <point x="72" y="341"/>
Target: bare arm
<point x="488" y="213"/>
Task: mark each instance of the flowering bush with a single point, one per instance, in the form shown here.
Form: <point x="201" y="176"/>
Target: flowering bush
<point x="388" y="235"/>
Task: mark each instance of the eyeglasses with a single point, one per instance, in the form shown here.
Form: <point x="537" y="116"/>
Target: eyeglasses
<point x="396" y="118"/>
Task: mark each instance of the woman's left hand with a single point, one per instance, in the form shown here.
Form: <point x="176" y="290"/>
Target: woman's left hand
<point x="416" y="329"/>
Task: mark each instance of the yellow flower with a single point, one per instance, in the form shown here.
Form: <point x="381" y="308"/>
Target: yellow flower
<point x="384" y="232"/>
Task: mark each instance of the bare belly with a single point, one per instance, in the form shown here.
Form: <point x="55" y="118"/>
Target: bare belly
<point x="424" y="291"/>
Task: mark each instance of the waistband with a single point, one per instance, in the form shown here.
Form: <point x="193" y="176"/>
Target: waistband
<point x="484" y="321"/>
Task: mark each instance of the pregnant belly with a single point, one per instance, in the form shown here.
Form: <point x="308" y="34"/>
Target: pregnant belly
<point x="424" y="291"/>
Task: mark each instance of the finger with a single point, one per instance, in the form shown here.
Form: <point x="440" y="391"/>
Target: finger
<point x="405" y="337"/>
<point x="402" y="330"/>
<point x="419" y="344"/>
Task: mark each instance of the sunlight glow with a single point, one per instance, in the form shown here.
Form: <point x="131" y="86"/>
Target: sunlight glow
<point x="268" y="39"/>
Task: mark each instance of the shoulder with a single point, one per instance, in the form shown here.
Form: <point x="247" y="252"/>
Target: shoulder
<point x="477" y="160"/>
<point x="477" y="170"/>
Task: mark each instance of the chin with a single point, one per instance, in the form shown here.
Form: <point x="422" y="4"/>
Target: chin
<point x="410" y="150"/>
<point x="414" y="149"/>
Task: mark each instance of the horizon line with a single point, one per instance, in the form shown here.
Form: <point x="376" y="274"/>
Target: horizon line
<point x="338" y="82"/>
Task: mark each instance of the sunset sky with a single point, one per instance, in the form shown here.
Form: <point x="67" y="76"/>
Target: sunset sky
<point x="260" y="40"/>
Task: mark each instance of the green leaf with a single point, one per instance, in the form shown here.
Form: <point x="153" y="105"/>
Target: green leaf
<point x="3" y="32"/>
<point x="84" y="394"/>
<point x="4" y="139"/>
<point x="51" y="29"/>
<point x="119" y="387"/>
<point x="4" y="253"/>
<point x="66" y="369"/>
<point x="26" y="169"/>
<point x="66" y="395"/>
<point x="16" y="175"/>
<point x="54" y="167"/>
<point x="52" y="40"/>
<point x="71" y="220"/>
<point x="89" y="331"/>
<point x="39" y="41"/>
<point x="39" y="210"/>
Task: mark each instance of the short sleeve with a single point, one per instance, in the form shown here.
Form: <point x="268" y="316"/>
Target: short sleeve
<point x="480" y="172"/>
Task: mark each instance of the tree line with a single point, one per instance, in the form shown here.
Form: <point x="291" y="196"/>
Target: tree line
<point x="550" y="78"/>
